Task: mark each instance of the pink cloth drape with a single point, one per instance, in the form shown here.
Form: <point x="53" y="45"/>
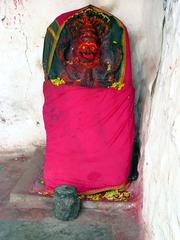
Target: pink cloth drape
<point x="90" y="135"/>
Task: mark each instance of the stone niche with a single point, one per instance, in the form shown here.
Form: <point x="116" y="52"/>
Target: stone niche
<point x="154" y="30"/>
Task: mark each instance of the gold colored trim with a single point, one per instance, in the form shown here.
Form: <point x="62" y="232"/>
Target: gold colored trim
<point x="52" y="33"/>
<point x="54" y="46"/>
<point x="121" y="188"/>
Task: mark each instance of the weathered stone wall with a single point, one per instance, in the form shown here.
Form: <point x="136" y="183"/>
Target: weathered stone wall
<point x="161" y="178"/>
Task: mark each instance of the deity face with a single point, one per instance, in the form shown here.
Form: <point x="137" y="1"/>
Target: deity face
<point x="87" y="52"/>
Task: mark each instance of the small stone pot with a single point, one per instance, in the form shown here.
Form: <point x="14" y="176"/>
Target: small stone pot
<point x="66" y="203"/>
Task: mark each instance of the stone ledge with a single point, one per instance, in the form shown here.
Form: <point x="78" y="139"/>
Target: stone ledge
<point x="20" y="197"/>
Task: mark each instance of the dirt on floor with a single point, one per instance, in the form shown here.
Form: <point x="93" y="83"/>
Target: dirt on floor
<point x="32" y="224"/>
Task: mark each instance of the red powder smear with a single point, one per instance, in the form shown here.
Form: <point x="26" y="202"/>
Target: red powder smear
<point x="17" y="2"/>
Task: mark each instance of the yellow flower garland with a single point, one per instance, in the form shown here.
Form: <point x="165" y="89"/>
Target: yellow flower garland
<point x="58" y="81"/>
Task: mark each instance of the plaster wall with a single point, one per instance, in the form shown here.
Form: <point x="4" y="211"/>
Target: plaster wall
<point x="161" y="178"/>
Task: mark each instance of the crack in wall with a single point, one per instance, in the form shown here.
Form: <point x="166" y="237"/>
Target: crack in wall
<point x="159" y="65"/>
<point x="165" y="4"/>
<point x="26" y="51"/>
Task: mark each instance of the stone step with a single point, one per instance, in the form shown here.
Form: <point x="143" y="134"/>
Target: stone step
<point x="21" y="197"/>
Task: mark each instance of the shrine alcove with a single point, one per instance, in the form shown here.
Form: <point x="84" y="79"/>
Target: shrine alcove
<point x="154" y="32"/>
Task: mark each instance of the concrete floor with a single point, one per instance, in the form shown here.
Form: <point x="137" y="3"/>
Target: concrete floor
<point x="31" y="224"/>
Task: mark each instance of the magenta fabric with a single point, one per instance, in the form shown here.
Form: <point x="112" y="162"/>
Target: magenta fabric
<point x="90" y="134"/>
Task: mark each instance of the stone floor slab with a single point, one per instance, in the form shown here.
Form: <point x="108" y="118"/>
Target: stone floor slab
<point x="18" y="230"/>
